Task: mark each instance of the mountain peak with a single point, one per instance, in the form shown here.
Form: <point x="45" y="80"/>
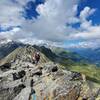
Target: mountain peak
<point x="4" y="41"/>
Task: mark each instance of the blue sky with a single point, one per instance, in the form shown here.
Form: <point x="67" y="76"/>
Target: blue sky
<point x="66" y="23"/>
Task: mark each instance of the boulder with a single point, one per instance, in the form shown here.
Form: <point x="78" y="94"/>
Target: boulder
<point x="19" y="75"/>
<point x="5" y="66"/>
<point x="24" y="94"/>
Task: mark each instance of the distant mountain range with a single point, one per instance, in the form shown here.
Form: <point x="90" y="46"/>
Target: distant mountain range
<point x="92" y="55"/>
<point x="55" y="54"/>
<point x="76" y="55"/>
<point x="71" y="60"/>
<point x="7" y="47"/>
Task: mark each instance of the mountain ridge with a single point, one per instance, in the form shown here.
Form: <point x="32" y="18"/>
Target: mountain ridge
<point x="71" y="61"/>
<point x="17" y="72"/>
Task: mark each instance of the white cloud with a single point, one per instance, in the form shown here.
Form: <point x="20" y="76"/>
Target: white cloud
<point x="87" y="30"/>
<point x="92" y="33"/>
<point x="10" y="14"/>
<point x="92" y="44"/>
<point x="51" y="26"/>
<point x="88" y="33"/>
<point x="9" y="34"/>
<point x="84" y="14"/>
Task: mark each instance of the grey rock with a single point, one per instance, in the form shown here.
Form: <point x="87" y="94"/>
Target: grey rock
<point x="47" y="79"/>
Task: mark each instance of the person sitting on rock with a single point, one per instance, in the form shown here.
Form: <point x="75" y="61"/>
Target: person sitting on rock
<point x="36" y="57"/>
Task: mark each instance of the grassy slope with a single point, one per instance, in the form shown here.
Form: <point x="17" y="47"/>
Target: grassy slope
<point x="92" y="72"/>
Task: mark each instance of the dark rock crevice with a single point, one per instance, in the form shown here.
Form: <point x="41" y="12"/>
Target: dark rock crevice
<point x="19" y="75"/>
<point x="5" y="67"/>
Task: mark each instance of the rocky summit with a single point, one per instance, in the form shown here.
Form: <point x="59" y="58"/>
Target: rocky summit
<point x="21" y="79"/>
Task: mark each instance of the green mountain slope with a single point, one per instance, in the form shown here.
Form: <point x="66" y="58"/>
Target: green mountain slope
<point x="75" y="62"/>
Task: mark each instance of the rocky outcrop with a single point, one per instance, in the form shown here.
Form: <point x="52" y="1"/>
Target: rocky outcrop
<point x="10" y="92"/>
<point x="57" y="85"/>
<point x="46" y="81"/>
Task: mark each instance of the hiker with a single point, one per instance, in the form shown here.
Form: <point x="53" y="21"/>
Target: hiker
<point x="36" y="57"/>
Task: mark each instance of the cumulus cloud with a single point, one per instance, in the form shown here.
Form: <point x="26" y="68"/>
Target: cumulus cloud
<point x="84" y="14"/>
<point x="53" y="25"/>
<point x="88" y="33"/>
<point x="86" y="30"/>
<point x="11" y="12"/>
<point x="9" y="34"/>
<point x="52" y="20"/>
<point x="93" y="32"/>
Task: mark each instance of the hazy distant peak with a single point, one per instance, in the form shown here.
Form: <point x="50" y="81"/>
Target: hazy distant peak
<point x="5" y="41"/>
